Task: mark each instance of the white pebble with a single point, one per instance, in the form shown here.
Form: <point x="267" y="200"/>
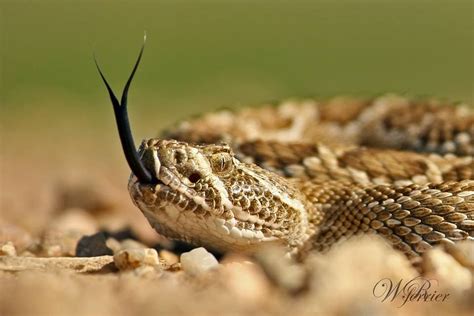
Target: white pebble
<point x="197" y="261"/>
<point x="128" y="259"/>
<point x="8" y="249"/>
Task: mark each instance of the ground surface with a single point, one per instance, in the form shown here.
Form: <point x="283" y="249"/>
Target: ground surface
<point x="55" y="192"/>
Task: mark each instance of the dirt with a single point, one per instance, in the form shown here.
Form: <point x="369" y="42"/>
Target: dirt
<point x="56" y="190"/>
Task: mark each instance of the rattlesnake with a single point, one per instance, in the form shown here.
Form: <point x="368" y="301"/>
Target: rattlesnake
<point x="307" y="174"/>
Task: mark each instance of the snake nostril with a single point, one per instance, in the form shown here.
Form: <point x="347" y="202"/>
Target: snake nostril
<point x="194" y="177"/>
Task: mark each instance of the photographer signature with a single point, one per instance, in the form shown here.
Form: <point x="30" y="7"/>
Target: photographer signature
<point x="418" y="289"/>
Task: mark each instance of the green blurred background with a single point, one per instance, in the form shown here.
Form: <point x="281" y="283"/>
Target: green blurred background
<point x="203" y="55"/>
<point x="56" y="120"/>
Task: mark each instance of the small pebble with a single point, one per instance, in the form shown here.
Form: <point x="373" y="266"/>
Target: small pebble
<point x="169" y="257"/>
<point x="198" y="261"/>
<point x="128" y="259"/>
<point x="93" y="246"/>
<point x="8" y="249"/>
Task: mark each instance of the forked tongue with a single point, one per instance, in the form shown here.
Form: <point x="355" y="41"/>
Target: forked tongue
<point x="123" y="125"/>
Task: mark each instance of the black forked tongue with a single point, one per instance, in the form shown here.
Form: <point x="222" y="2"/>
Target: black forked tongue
<point x="123" y="125"/>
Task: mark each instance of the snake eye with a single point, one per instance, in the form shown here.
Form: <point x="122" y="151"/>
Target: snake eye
<point x="221" y="163"/>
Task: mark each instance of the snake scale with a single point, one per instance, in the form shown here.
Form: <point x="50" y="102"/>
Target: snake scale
<point x="307" y="174"/>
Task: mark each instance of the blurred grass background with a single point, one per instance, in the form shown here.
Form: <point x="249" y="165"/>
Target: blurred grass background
<point x="238" y="51"/>
<point x="56" y="120"/>
<point x="202" y="55"/>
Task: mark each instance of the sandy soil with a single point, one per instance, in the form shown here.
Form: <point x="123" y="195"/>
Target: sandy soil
<point x="56" y="191"/>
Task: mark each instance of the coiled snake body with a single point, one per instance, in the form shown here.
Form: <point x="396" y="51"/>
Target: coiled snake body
<point x="306" y="174"/>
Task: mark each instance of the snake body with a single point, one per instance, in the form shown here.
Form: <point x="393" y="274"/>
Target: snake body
<point x="237" y="181"/>
<point x="308" y="174"/>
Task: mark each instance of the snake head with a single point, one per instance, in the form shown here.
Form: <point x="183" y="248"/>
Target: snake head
<point x="205" y="196"/>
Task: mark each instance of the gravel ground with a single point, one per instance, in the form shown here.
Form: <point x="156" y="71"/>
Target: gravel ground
<point x="72" y="243"/>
